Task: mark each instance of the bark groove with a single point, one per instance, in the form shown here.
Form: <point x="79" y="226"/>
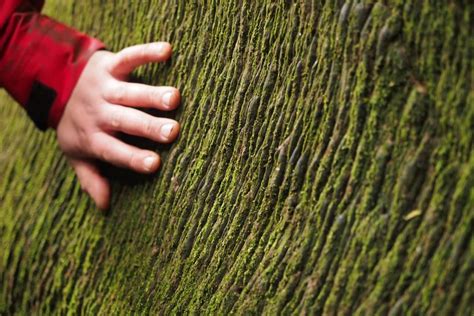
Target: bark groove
<point x="325" y="166"/>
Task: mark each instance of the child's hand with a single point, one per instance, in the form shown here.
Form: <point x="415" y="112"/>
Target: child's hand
<point x="102" y="104"/>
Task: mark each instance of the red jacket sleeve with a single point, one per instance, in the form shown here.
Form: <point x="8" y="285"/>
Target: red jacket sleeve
<point x="40" y="59"/>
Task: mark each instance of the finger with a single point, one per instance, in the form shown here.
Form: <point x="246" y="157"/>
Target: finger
<point x="141" y="95"/>
<point x="120" y="154"/>
<point x="135" y="122"/>
<point x="93" y="182"/>
<point x="132" y="57"/>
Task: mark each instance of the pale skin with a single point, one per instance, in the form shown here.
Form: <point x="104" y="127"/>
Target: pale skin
<point x="102" y="104"/>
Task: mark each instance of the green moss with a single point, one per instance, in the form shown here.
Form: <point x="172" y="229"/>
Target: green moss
<point x="309" y="131"/>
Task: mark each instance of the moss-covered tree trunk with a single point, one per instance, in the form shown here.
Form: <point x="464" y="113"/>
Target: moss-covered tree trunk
<point x="325" y="166"/>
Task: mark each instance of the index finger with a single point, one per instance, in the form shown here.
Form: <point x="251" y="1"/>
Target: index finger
<point x="130" y="58"/>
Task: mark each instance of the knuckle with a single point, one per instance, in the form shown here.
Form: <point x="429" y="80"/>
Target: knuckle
<point x="115" y="119"/>
<point x="154" y="95"/>
<point x="99" y="149"/>
<point x="115" y="93"/>
<point x="131" y="160"/>
<point x="104" y="153"/>
<point x="149" y="127"/>
<point x="103" y="115"/>
<point x="144" y="50"/>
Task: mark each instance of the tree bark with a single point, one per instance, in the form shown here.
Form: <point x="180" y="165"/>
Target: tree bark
<point x="325" y="166"/>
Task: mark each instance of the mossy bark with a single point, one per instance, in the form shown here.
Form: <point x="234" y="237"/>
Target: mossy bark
<point x="325" y="166"/>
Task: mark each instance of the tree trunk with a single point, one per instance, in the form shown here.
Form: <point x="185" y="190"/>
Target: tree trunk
<point x="325" y="166"/>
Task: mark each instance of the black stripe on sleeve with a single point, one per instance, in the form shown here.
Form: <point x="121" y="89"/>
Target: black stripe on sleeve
<point x="39" y="104"/>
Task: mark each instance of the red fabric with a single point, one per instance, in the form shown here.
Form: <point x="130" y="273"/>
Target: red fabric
<point x="36" y="51"/>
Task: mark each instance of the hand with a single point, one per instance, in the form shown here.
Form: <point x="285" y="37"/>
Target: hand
<point x="102" y="104"/>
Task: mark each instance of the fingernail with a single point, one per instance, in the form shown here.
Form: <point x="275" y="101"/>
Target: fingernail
<point x="160" y="47"/>
<point x="166" y="130"/>
<point x="166" y="99"/>
<point x="149" y="162"/>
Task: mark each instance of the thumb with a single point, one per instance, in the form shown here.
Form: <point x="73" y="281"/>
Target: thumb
<point x="93" y="182"/>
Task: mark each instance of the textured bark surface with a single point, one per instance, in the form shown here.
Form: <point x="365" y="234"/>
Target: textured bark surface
<point x="325" y="166"/>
